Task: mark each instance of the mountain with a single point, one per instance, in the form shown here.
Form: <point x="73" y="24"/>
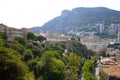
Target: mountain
<point x="81" y="19"/>
<point x="36" y="29"/>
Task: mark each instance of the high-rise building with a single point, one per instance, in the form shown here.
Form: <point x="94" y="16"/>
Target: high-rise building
<point x="100" y="28"/>
<point x="115" y="27"/>
<point x="118" y="36"/>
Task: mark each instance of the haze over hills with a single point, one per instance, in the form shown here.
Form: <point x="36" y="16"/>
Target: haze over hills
<point x="80" y="19"/>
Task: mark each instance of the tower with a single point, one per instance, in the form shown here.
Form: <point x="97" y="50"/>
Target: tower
<point x="118" y="36"/>
<point x="100" y="28"/>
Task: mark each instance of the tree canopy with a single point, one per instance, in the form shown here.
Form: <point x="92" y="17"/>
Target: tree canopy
<point x="30" y="59"/>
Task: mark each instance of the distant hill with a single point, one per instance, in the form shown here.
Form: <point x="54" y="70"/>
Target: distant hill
<point x="81" y="19"/>
<point x="36" y="29"/>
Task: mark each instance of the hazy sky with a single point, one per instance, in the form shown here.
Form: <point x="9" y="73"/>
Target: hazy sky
<point x="29" y="13"/>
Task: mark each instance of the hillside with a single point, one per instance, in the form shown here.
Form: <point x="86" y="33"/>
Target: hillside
<point x="36" y="29"/>
<point x="81" y="19"/>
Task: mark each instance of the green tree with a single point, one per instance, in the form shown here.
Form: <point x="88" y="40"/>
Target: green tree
<point x="57" y="69"/>
<point x="95" y="58"/>
<point x="1" y="42"/>
<point x="21" y="40"/>
<point x="3" y="36"/>
<point x="71" y="73"/>
<point x="18" y="47"/>
<point x="28" y="55"/>
<point x="74" y="60"/>
<point x="73" y="63"/>
<point x="41" y="38"/>
<point x="88" y="66"/>
<point x="88" y="76"/>
<point x="79" y="49"/>
<point x="36" y="52"/>
<point x="31" y="36"/>
<point x="50" y="65"/>
<point x="11" y="66"/>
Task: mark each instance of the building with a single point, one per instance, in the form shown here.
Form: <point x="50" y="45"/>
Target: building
<point x="110" y="68"/>
<point x="100" y="28"/>
<point x="58" y="39"/>
<point x="24" y="32"/>
<point x="13" y="32"/>
<point x="3" y="28"/>
<point x="118" y="36"/>
<point x="51" y="34"/>
<point x="115" y="27"/>
<point x="113" y="49"/>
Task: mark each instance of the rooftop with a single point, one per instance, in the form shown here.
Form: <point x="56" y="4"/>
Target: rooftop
<point x="111" y="66"/>
<point x="112" y="70"/>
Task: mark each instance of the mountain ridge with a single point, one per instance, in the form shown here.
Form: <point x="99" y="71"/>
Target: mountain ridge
<point x="81" y="17"/>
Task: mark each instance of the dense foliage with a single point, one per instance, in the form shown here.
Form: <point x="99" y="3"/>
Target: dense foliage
<point x="32" y="36"/>
<point x="81" y="50"/>
<point x="31" y="59"/>
<point x="88" y="68"/>
<point x="3" y="36"/>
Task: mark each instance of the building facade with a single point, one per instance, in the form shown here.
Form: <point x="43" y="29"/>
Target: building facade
<point x="100" y="28"/>
<point x="118" y="36"/>
<point x="13" y="32"/>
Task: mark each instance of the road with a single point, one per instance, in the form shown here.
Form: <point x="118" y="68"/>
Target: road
<point x="81" y="78"/>
<point x="97" y="71"/>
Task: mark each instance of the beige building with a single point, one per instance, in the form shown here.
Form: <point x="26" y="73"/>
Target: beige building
<point x="58" y="39"/>
<point x="12" y="32"/>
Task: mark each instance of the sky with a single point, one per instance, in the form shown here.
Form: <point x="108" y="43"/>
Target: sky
<point x="30" y="13"/>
